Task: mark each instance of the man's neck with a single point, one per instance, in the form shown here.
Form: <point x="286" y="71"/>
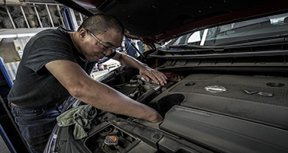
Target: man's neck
<point x="73" y="36"/>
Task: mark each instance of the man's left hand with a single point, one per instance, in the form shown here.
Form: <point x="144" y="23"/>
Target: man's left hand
<point x="153" y="75"/>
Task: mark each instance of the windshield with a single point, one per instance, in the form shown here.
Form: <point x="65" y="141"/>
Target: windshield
<point x="237" y="32"/>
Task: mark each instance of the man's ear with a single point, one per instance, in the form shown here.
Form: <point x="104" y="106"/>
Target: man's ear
<point x="82" y="32"/>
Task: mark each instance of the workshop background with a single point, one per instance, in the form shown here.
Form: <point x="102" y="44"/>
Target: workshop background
<point x="19" y="21"/>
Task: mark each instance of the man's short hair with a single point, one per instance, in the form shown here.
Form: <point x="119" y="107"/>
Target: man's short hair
<point x="100" y="23"/>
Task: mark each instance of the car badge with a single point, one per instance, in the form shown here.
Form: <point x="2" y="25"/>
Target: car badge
<point x="215" y="89"/>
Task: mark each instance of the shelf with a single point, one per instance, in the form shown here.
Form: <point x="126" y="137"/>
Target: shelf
<point x="31" y="15"/>
<point x="27" y="18"/>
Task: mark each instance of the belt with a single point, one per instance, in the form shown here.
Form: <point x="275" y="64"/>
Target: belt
<point x="18" y="106"/>
<point x="11" y="104"/>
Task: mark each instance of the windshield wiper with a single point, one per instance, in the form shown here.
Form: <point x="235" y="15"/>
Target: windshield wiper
<point x="190" y="46"/>
<point x="183" y="48"/>
<point x="268" y="39"/>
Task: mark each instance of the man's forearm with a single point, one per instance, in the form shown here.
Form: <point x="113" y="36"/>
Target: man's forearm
<point x="145" y="71"/>
<point x="108" y="99"/>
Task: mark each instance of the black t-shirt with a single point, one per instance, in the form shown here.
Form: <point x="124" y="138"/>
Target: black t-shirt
<point x="34" y="85"/>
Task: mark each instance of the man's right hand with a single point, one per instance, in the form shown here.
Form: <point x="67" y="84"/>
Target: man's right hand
<point x="155" y="117"/>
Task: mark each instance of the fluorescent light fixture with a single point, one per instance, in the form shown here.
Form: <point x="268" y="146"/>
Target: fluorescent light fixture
<point x="26" y="34"/>
<point x="17" y="35"/>
<point x="8" y="36"/>
<point x="20" y="32"/>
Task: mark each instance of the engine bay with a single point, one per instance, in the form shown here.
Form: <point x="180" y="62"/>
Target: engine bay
<point x="202" y="113"/>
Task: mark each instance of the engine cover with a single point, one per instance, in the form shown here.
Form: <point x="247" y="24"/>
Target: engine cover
<point x="231" y="113"/>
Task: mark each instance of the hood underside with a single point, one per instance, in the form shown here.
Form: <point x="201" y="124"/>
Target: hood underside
<point x="158" y="20"/>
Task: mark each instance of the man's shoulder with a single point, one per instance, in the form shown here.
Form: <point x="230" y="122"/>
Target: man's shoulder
<point x="52" y="37"/>
<point x="53" y="32"/>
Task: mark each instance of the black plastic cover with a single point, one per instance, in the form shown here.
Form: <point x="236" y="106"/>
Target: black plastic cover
<point x="224" y="133"/>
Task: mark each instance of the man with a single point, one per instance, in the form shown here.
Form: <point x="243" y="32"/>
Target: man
<point x="54" y="66"/>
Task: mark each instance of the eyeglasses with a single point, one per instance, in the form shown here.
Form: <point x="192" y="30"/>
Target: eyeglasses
<point x="102" y="44"/>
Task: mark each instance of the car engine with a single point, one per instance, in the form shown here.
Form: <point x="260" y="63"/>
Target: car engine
<point x="202" y="113"/>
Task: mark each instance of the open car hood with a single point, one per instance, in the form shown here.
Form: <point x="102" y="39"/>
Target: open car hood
<point x="158" y="20"/>
<point x="218" y="98"/>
